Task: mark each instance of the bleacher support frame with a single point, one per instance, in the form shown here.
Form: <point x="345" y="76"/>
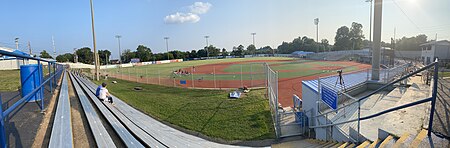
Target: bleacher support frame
<point x="51" y="79"/>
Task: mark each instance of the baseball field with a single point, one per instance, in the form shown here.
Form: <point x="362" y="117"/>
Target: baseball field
<point x="235" y="73"/>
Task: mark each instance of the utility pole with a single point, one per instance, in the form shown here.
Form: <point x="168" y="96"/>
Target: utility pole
<point x="253" y="35"/>
<point x="370" y="28"/>
<point x="377" y="40"/>
<point x="29" y="48"/>
<point x="120" y="54"/>
<point x="54" y="49"/>
<point x="75" y="60"/>
<point x="207" y="44"/>
<point x="96" y="60"/>
<point x="167" y="47"/>
<point x="316" y="22"/>
<point x="17" y="43"/>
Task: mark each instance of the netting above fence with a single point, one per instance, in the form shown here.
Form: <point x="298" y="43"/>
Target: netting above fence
<point x="250" y="75"/>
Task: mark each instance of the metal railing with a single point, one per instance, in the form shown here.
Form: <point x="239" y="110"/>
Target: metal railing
<point x="37" y="92"/>
<point x="359" y="118"/>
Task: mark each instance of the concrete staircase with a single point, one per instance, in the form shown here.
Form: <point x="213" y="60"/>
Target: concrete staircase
<point x="384" y="140"/>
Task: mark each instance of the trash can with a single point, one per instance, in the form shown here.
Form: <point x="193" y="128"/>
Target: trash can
<point x="30" y="79"/>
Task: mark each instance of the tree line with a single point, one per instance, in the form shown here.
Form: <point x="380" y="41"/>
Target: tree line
<point x="346" y="38"/>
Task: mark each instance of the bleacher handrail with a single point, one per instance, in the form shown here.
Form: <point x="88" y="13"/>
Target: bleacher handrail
<point x="57" y="69"/>
<point x="2" y="52"/>
<point x="380" y="89"/>
<point x="431" y="99"/>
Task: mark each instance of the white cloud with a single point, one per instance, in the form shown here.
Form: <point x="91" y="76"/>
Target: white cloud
<point x="200" y="7"/>
<point x="190" y="17"/>
<point x="179" y="18"/>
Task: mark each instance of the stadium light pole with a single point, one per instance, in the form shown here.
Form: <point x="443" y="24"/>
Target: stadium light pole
<point x="120" y="54"/>
<point x="167" y="47"/>
<point x="316" y="22"/>
<point x="370" y="28"/>
<point x="376" y="39"/>
<point x="207" y="44"/>
<point x="16" y="40"/>
<point x="96" y="60"/>
<point x="253" y="36"/>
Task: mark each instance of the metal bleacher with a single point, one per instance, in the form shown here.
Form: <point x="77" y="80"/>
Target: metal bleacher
<point x="101" y="136"/>
<point x="150" y="131"/>
<point x="61" y="135"/>
<point x="102" y="139"/>
<point x="147" y="139"/>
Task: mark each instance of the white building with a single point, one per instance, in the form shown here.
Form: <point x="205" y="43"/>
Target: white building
<point x="433" y="50"/>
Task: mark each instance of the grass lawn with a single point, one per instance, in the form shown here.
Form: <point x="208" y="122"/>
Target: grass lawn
<point x="209" y="112"/>
<point x="10" y="79"/>
<point x="444" y="74"/>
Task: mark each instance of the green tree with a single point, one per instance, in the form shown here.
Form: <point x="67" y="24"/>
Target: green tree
<point x="251" y="49"/>
<point x="85" y="55"/>
<point x="44" y="54"/>
<point x="224" y="52"/>
<point x="238" y="51"/>
<point x="127" y="55"/>
<point x="342" y="39"/>
<point x="143" y="53"/>
<point x="212" y="51"/>
<point x="410" y="43"/>
<point x="67" y="57"/>
<point x="202" y="53"/>
<point x="324" y="44"/>
<point x="356" y="36"/>
<point x="178" y="54"/>
<point x="104" y="56"/>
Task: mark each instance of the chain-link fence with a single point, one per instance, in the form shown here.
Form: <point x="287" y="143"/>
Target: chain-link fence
<point x="272" y="93"/>
<point x="441" y="120"/>
<point x="214" y="76"/>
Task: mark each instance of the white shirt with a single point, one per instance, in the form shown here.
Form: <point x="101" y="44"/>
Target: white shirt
<point x="103" y="92"/>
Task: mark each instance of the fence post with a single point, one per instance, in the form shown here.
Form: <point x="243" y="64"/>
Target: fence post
<point x="242" y="85"/>
<point x="49" y="76"/>
<point x="192" y="77"/>
<point x="54" y="71"/>
<point x="251" y="75"/>
<point x="173" y="78"/>
<point x="3" y="142"/>
<point x="41" y="91"/>
<point x="359" y="122"/>
<point x="433" y="97"/>
<point x="214" y="75"/>
<point x="367" y="77"/>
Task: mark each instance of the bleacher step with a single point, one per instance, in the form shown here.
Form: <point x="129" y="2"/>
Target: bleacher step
<point x="403" y="141"/>
<point x="364" y="144"/>
<point x="388" y="142"/>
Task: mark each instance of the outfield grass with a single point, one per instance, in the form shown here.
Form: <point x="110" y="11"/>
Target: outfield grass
<point x="209" y="112"/>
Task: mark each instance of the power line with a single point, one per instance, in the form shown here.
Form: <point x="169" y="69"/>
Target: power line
<point x="404" y="13"/>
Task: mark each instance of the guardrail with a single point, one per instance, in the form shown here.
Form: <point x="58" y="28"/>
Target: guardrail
<point x="37" y="92"/>
<point x="359" y="118"/>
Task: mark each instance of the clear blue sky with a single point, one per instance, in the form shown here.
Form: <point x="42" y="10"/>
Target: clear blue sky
<point x="227" y="22"/>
